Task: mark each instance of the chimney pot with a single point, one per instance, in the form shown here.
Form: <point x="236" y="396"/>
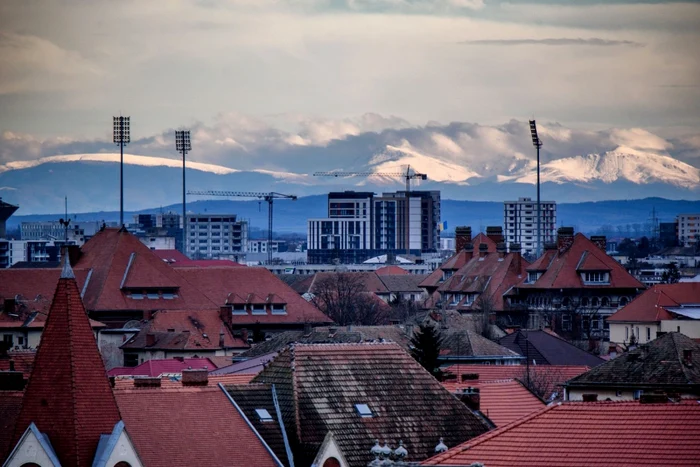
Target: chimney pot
<point x="463" y="235"/>
<point x="495" y="233"/>
<point x="147" y="382"/>
<point x="600" y="241"/>
<point x="195" y="377"/>
<point x="471" y="397"/>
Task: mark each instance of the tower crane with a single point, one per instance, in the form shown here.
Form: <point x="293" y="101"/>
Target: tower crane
<point x="269" y="197"/>
<point x="409" y="175"/>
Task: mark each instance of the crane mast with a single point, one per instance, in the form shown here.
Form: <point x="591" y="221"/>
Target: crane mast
<point x="269" y="197"/>
<point x="409" y="175"/>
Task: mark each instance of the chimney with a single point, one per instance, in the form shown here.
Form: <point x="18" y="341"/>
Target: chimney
<point x="469" y="250"/>
<point x="225" y="313"/>
<point x="590" y="397"/>
<point x="687" y="357"/>
<point x="195" y="377"/>
<point x="600" y="241"/>
<point x="74" y="254"/>
<point x="470" y="377"/>
<point x="463" y="235"/>
<point x="11" y="381"/>
<point x="653" y="398"/>
<point x="221" y="339"/>
<point x="146" y="382"/>
<point x="483" y="249"/>
<point x="565" y="238"/>
<point x="150" y="339"/>
<point x="501" y="249"/>
<point x="471" y="398"/>
<point x="515" y="250"/>
<point x="495" y="233"/>
<point x="244" y="335"/>
<point x="550" y="246"/>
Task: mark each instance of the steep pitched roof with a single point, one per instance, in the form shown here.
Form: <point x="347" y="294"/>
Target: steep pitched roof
<point x="250" y="398"/>
<point x="464" y="342"/>
<point x="10" y="405"/>
<point x="68" y="396"/>
<point x="187" y="330"/>
<point x="657" y="363"/>
<point x="220" y="283"/>
<point x="166" y="366"/>
<point x="657" y="303"/>
<point x="576" y="434"/>
<point x="502" y="401"/>
<point x="119" y="261"/>
<point x="319" y="385"/>
<point x="23" y="360"/>
<point x="403" y="283"/>
<point x="552" y="377"/>
<point x="206" y="428"/>
<point x="392" y="270"/>
<point x="33" y="288"/>
<point x="563" y="268"/>
<point x="546" y="349"/>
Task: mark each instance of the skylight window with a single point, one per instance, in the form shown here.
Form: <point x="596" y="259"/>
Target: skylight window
<point x="263" y="415"/>
<point x="364" y="411"/>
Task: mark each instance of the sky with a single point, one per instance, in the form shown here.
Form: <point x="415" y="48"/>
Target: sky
<point x="276" y="84"/>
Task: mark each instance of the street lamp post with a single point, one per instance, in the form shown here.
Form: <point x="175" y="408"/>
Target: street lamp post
<point x="183" y="145"/>
<point x="538" y="144"/>
<point x="122" y="137"/>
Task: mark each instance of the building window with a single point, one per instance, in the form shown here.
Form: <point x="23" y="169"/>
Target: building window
<point x="239" y="309"/>
<point x="7" y="340"/>
<point x="627" y="333"/>
<point x="624" y="301"/>
<point x="263" y="415"/>
<point x="648" y="333"/>
<point x="566" y="322"/>
<point x="596" y="277"/>
<point x="259" y="309"/>
<point x="279" y="309"/>
<point x="364" y="411"/>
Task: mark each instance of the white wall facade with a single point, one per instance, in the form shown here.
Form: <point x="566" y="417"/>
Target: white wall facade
<point x="520" y="223"/>
<point x="216" y="236"/>
<point x="688" y="229"/>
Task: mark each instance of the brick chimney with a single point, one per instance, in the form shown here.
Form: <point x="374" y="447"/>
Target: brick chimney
<point x="517" y="258"/>
<point x="471" y="397"/>
<point x="150" y="339"/>
<point x="501" y="249"/>
<point x="469" y="250"/>
<point x="565" y="238"/>
<point x="195" y="377"/>
<point x="146" y="382"/>
<point x="495" y="233"/>
<point x="74" y="254"/>
<point x="225" y="313"/>
<point x="600" y="241"/>
<point x="463" y="235"/>
<point x="483" y="249"/>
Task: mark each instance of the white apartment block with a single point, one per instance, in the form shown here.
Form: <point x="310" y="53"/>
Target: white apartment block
<point x="216" y="236"/>
<point x="688" y="229"/>
<point x="78" y="232"/>
<point x="260" y="246"/>
<point x="520" y="223"/>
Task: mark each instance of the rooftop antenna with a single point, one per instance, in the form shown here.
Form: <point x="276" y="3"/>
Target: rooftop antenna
<point x="122" y="137"/>
<point x="183" y="144"/>
<point x="538" y="144"/>
<point x="65" y="222"/>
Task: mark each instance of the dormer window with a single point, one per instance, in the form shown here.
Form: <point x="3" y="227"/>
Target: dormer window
<point x="456" y="298"/>
<point x="596" y="277"/>
<point x="259" y="309"/>
<point x="446" y="275"/>
<point x="533" y="276"/>
<point x="239" y="309"/>
<point x="279" y="309"/>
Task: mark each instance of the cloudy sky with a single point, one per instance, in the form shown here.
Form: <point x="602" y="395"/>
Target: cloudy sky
<point x="274" y="83"/>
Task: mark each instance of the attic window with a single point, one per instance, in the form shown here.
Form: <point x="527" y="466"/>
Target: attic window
<point x="596" y="277"/>
<point x="137" y="296"/>
<point x="364" y="411"/>
<point x="279" y="309"/>
<point x="152" y="296"/>
<point x="259" y="309"/>
<point x="239" y="309"/>
<point x="168" y="295"/>
<point x="263" y="415"/>
<point x="532" y="277"/>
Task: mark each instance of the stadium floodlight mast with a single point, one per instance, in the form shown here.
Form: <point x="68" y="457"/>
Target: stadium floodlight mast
<point x="122" y="137"/>
<point x="183" y="145"/>
<point x="538" y="144"/>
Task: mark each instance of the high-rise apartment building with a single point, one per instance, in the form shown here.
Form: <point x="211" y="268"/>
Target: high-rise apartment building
<point x="520" y="223"/>
<point x="688" y="229"/>
<point x="361" y="225"/>
<point x="216" y="236"/>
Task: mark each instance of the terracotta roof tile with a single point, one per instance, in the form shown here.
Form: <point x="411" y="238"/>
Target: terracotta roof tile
<point x="69" y="383"/>
<point x="10" y="405"/>
<point x="24" y="361"/>
<point x="403" y="283"/>
<point x="318" y="386"/>
<point x="576" y="434"/>
<point x="650" y="305"/>
<point x="502" y="401"/>
<point x="166" y="366"/>
<point x="206" y="428"/>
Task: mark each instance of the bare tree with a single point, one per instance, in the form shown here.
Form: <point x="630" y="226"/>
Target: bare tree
<point x="484" y="312"/>
<point x="543" y="381"/>
<point x="344" y="298"/>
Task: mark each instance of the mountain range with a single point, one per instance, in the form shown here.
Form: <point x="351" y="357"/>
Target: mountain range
<point x="91" y="181"/>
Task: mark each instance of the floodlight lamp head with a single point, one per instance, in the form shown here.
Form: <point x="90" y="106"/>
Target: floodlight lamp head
<point x="182" y="140"/>
<point x="122" y="133"/>
<point x="535" y="138"/>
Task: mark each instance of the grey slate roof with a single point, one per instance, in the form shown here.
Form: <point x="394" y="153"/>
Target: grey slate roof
<point x="403" y="283"/>
<point x="657" y="363"/>
<point x="471" y="344"/>
<point x="546" y="349"/>
<point x="319" y="385"/>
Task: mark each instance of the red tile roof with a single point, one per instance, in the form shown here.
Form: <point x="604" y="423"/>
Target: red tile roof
<point x="10" y="405"/>
<point x="372" y="283"/>
<point x="482" y="238"/>
<point x="167" y="366"/>
<point x="68" y="396"/>
<point x="651" y="305"/>
<point x="391" y="270"/>
<point x="502" y="401"/>
<point x="109" y="254"/>
<point x="171" y="256"/>
<point x="24" y="361"/>
<point x="206" y="428"/>
<point x="551" y="376"/>
<point x="186" y="329"/>
<point x="175" y="382"/>
<point x="563" y="269"/>
<point x="209" y="263"/>
<point x="33" y="288"/>
<point x="580" y="434"/>
<point x="219" y="283"/>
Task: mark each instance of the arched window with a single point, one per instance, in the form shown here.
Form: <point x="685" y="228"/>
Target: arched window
<point x="624" y="301"/>
<point x="566" y="303"/>
<point x="122" y="464"/>
<point x="30" y="464"/>
<point x="331" y="462"/>
<point x="605" y="302"/>
<point x="584" y="301"/>
<point x="595" y="302"/>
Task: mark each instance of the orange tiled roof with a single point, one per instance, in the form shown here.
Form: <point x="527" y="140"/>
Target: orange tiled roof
<point x="580" y="434"/>
<point x="24" y="361"/>
<point x="651" y="305"/>
<point x="502" y="401"/>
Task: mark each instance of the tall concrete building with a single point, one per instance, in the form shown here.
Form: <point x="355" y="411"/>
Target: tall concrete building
<point x="361" y="225"/>
<point x="216" y="236"/>
<point x="688" y="229"/>
<point x="520" y="223"/>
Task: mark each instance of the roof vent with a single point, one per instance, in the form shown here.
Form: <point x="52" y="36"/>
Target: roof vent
<point x="441" y="447"/>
